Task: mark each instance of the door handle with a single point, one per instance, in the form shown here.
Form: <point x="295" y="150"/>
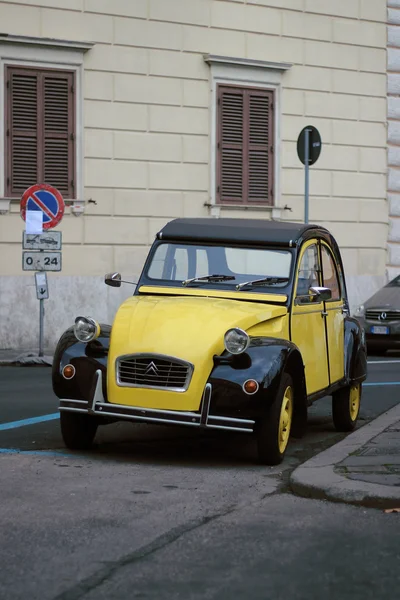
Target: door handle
<point x="324" y="314"/>
<point x="344" y="309"/>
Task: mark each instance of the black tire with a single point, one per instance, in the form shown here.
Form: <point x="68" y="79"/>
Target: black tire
<point x="346" y="407"/>
<point x="376" y="351"/>
<point x="271" y="448"/>
<point x="78" y="430"/>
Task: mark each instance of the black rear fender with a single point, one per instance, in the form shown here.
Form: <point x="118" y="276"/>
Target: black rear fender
<point x="355" y="356"/>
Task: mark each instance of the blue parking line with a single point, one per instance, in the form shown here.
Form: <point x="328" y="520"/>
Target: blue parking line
<point x="54" y="453"/>
<point x="32" y="421"/>
<point x="382" y="383"/>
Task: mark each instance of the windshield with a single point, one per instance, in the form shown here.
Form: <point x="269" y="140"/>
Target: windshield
<point x="182" y="262"/>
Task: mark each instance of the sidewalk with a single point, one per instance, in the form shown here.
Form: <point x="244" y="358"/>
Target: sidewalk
<point x="25" y="358"/>
<point x="363" y="469"/>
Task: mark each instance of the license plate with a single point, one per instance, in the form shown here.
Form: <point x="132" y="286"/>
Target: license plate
<point x="380" y="330"/>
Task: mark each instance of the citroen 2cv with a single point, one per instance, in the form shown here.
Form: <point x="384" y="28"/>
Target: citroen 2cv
<point x="234" y="324"/>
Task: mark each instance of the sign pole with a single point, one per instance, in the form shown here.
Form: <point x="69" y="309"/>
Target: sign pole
<point x="309" y="146"/>
<point x="41" y="322"/>
<point x="42" y="208"/>
<point x="307" y="173"/>
<point x="42" y="294"/>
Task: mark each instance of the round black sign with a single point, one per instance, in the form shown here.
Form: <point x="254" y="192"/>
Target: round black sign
<point x="315" y="145"/>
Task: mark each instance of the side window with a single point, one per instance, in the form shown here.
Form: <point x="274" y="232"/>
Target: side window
<point x="158" y="267"/>
<point x="181" y="264"/>
<point x="202" y="267"/>
<point x="308" y="274"/>
<point x="175" y="263"/>
<point x="329" y="273"/>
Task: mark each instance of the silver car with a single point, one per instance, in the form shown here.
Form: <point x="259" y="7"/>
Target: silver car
<point x="380" y="317"/>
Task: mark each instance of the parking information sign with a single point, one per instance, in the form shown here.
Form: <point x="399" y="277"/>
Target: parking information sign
<point x="44" y="198"/>
<point x="51" y="240"/>
<point x="42" y="291"/>
<point x="41" y="261"/>
<point x="46" y="201"/>
<point x="42" y="208"/>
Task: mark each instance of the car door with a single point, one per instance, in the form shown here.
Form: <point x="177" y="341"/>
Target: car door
<point x="334" y="316"/>
<point x="307" y="319"/>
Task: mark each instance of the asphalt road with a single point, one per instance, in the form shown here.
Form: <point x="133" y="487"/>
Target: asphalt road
<point x="156" y="513"/>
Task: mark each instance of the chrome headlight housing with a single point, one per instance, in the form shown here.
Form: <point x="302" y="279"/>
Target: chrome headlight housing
<point x="86" y="329"/>
<point x="236" y="340"/>
<point x="360" y="311"/>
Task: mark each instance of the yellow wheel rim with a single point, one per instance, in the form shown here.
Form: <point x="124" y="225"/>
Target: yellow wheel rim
<point x="285" y="421"/>
<point x="354" y="401"/>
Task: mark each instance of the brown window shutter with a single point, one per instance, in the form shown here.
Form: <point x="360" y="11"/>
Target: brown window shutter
<point x="58" y="128"/>
<point x="260" y="141"/>
<point x="40" y="125"/>
<point x="230" y="145"/>
<point x="22" y="138"/>
<point x="245" y="146"/>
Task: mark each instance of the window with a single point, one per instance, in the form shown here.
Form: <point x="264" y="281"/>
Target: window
<point x="330" y="275"/>
<point x="40" y="130"/>
<point x="181" y="264"/>
<point x="308" y="275"/>
<point x="176" y="262"/>
<point x="259" y="263"/>
<point x="245" y="146"/>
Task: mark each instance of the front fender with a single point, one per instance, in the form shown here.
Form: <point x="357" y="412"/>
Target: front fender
<point x="86" y="358"/>
<point x="355" y="359"/>
<point x="264" y="361"/>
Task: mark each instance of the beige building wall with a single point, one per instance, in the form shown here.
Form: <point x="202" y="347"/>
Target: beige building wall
<point x="394" y="137"/>
<point x="146" y="135"/>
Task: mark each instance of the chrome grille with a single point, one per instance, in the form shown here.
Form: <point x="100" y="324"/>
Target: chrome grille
<point x="382" y="315"/>
<point x="154" y="371"/>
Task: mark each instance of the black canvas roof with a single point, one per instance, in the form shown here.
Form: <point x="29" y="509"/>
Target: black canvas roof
<point x="247" y="231"/>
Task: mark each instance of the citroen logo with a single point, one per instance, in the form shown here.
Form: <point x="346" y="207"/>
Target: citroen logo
<point x="151" y="369"/>
<point x="382" y="316"/>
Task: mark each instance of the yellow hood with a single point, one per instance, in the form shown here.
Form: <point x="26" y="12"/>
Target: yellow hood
<point x="189" y="328"/>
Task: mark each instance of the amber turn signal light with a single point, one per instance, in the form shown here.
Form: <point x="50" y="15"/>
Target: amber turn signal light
<point x="68" y="371"/>
<point x="250" y="386"/>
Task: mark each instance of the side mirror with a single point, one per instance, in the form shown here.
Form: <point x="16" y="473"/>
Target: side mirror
<point x="113" y="279"/>
<point x="321" y="294"/>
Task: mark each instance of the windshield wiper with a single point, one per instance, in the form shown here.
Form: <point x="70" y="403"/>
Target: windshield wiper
<point x="208" y="279"/>
<point x="269" y="280"/>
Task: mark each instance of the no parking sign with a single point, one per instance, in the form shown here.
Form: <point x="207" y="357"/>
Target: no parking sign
<point x="44" y="198"/>
<point x="42" y="207"/>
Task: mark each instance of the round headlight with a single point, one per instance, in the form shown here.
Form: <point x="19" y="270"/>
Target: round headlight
<point x="360" y="311"/>
<point x="236" y="340"/>
<point x="86" y="329"/>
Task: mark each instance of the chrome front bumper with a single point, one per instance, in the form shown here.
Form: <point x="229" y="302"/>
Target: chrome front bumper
<point x="98" y="407"/>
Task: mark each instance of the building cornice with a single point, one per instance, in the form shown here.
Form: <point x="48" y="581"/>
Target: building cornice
<point x="6" y="38"/>
<point x="213" y="59"/>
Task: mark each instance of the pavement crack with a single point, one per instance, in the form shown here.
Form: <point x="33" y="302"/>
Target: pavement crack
<point x="95" y="580"/>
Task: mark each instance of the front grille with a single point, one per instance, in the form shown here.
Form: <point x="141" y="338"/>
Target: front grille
<point x="382" y="315"/>
<point x="154" y="371"/>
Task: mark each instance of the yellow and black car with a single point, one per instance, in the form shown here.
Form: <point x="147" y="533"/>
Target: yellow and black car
<point x="235" y="324"/>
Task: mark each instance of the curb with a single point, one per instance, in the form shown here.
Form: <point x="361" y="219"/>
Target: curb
<point x="316" y="478"/>
<point x="27" y="359"/>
